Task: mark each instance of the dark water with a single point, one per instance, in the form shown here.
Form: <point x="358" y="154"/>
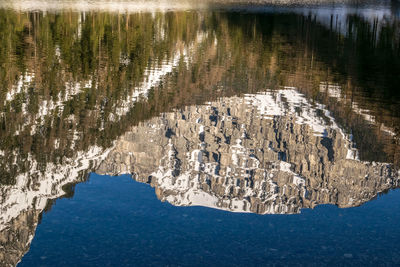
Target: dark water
<point x="266" y="131"/>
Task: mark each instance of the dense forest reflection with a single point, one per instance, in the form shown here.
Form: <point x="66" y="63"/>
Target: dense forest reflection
<point x="72" y="84"/>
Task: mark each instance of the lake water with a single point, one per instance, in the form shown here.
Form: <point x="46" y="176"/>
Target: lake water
<point x="183" y="133"/>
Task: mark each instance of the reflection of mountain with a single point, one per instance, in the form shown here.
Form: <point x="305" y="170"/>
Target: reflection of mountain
<point x="265" y="153"/>
<point x="100" y="74"/>
<point x="73" y="83"/>
<point x="271" y="152"/>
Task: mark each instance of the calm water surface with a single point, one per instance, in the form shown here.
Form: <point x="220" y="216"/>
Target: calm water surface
<point x="185" y="134"/>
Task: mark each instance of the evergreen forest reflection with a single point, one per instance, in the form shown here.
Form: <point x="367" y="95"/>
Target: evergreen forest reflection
<point x="179" y="98"/>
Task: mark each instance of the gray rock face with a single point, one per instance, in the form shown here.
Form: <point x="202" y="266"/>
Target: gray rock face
<point x="265" y="153"/>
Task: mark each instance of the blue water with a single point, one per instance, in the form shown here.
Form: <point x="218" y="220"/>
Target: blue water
<point x="114" y="221"/>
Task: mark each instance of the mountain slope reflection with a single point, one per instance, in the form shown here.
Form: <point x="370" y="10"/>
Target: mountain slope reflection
<point x="125" y="93"/>
<point x="272" y="152"/>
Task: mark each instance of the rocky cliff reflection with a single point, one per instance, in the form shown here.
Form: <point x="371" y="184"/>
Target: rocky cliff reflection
<point x="264" y="113"/>
<point x="271" y="152"/>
